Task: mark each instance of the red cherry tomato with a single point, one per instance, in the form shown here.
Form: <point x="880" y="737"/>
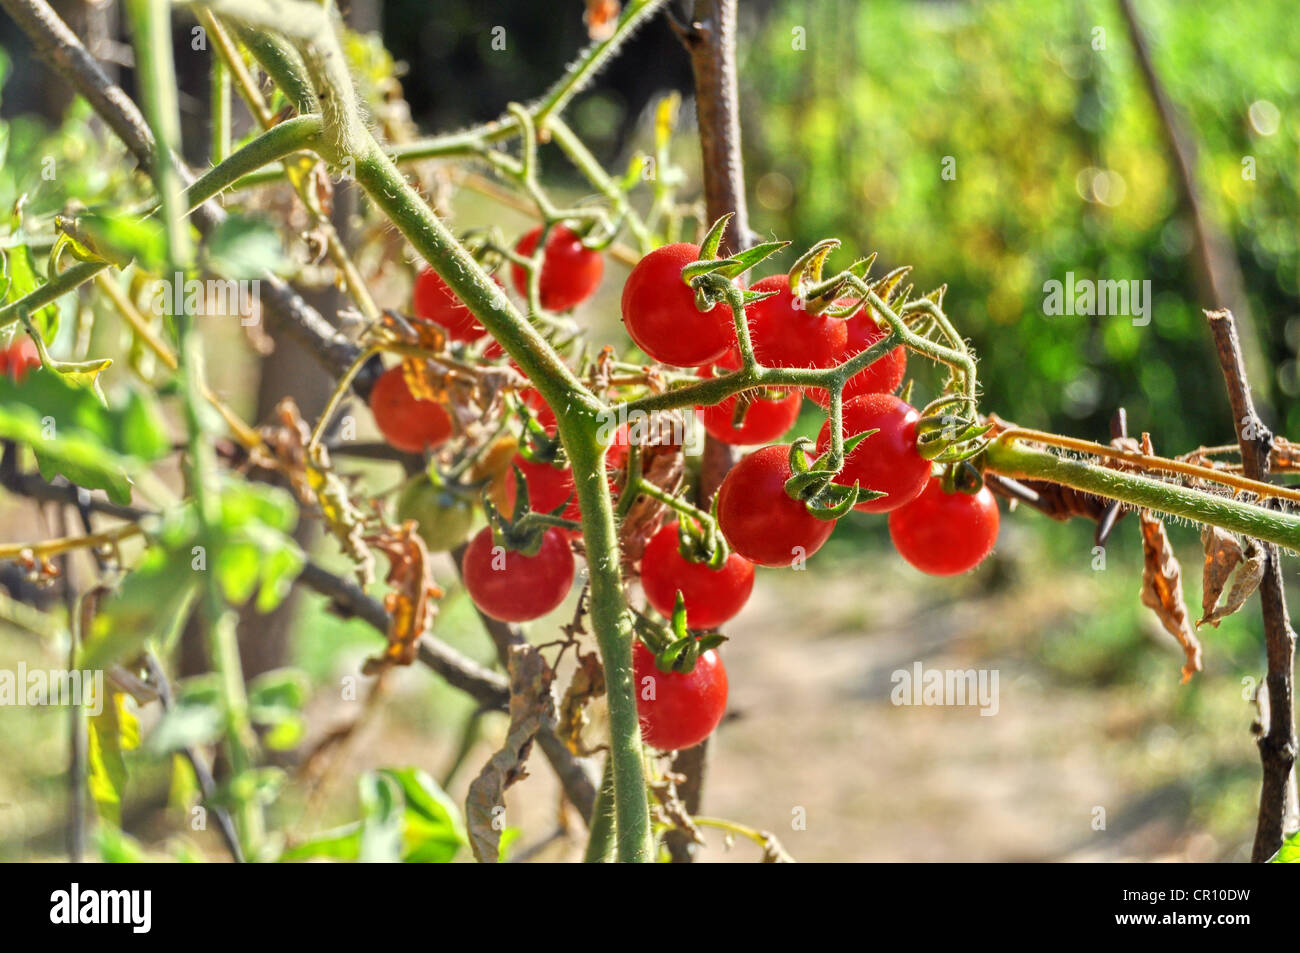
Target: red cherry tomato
<point x="434" y="301"/>
<point x="512" y="587"/>
<point x="785" y="334"/>
<point x="881" y="376"/>
<point x="944" y="534"/>
<point x="886" y="461"/>
<point x="20" y="357"/>
<point x="765" y="419"/>
<point x="548" y="485"/>
<point x="759" y="519"/>
<point x="660" y="314"/>
<point x="407" y="422"/>
<point x="570" y="271"/>
<point x="678" y="709"/>
<point x="711" y="596"/>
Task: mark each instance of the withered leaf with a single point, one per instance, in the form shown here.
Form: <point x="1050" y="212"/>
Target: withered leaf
<point x="588" y="682"/>
<point x="1162" y="589"/>
<point x="1222" y="554"/>
<point x="411" y="598"/>
<point x="1249" y="574"/>
<point x="532" y="709"/>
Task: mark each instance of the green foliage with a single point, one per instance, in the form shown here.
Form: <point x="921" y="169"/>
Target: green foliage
<point x="247" y="547"/>
<point x="73" y="433"/>
<point x="405" y="817"/>
<point x="1290" y="852"/>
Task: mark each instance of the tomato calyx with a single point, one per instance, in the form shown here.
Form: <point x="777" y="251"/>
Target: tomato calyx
<point x="812" y="482"/>
<point x="675" y="649"/>
<point x="524" y="530"/>
<point x="711" y="277"/>
<point x="947" y="433"/>
<point x="700" y="542"/>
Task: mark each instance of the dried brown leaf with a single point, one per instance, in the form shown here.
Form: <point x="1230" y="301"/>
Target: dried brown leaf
<point x="1162" y="589"/>
<point x="411" y="598"/>
<point x="588" y="682"/>
<point x="1249" y="575"/>
<point x="532" y="709"/>
<point x="1222" y="554"/>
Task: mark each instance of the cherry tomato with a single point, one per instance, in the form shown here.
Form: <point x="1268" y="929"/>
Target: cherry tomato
<point x="570" y="271"/>
<point x="886" y="461"/>
<point x="548" y="485"/>
<point x="407" y="422"/>
<point x="660" y="314"/>
<point x="711" y="596"/>
<point x="765" y="419"/>
<point x="759" y="519"/>
<point x="785" y="334"/>
<point x="944" y="534"/>
<point x="19" y="357"/>
<point x="444" y="517"/>
<point x="512" y="587"/>
<point x="678" y="709"/>
<point x="881" y="376"/>
<point x="433" y="301"/>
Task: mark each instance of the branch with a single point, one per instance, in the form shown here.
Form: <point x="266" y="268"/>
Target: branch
<point x="711" y="41"/>
<point x="1217" y="266"/>
<point x="1277" y="738"/>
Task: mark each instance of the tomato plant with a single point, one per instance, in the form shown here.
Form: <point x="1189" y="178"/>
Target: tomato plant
<point x="578" y="454"/>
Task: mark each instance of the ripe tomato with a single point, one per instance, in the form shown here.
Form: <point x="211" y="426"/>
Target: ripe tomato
<point x="660" y="314"/>
<point x="444" y="517"/>
<point x="570" y="271"/>
<point x="433" y="301"/>
<point x="785" y="334"/>
<point x="512" y="587"/>
<point x="407" y="422"/>
<point x="711" y="596"/>
<point x="678" y="709"/>
<point x="886" y="461"/>
<point x="881" y="376"/>
<point x="945" y="533"/>
<point x="759" y="519"/>
<point x="765" y="419"/>
<point x="548" y="485"/>
<point x="19" y="357"/>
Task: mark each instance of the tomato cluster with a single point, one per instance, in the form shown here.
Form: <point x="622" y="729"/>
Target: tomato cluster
<point x="763" y="512"/>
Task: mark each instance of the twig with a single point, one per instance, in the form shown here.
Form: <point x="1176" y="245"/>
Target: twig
<point x="711" y="41"/>
<point x="1217" y="267"/>
<point x="489" y="688"/>
<point x="1277" y="741"/>
<point x="202" y="774"/>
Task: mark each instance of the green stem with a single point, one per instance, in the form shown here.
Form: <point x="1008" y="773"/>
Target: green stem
<point x="151" y="28"/>
<point x="600" y="837"/>
<point x="220" y="94"/>
<point x="1015" y="460"/>
<point x="70" y="279"/>
<point x="294" y="135"/>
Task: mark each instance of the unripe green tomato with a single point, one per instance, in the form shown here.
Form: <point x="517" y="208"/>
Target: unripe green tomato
<point x="445" y="518"/>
